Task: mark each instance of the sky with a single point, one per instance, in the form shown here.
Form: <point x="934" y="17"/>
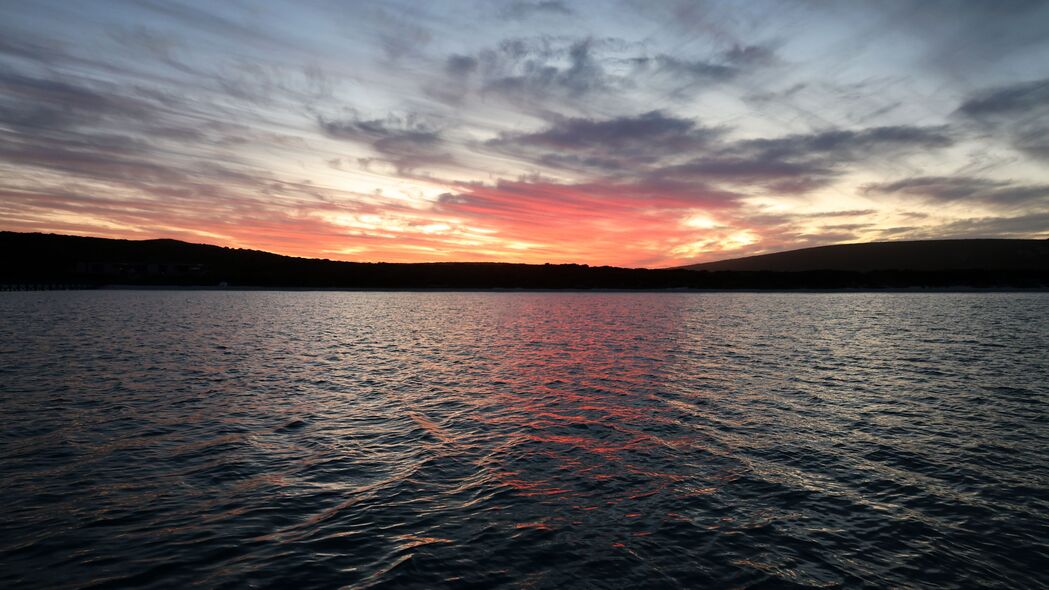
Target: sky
<point x="631" y="133"/>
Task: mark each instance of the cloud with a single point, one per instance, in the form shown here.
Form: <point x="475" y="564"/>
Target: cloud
<point x="407" y="142"/>
<point x="552" y="199"/>
<point x="756" y="170"/>
<point x="849" y="144"/>
<point x="799" y="163"/>
<point x="229" y="218"/>
<point x="460" y="65"/>
<point x="559" y="71"/>
<point x="96" y="154"/>
<point x="961" y="189"/>
<point x="1023" y="98"/>
<point x="456" y="83"/>
<point x="1018" y="226"/>
<point x="28" y="102"/>
<point x="833" y="214"/>
<point x="684" y="74"/>
<point x="623" y="143"/>
<point x="1020" y="111"/>
<point x="966" y="39"/>
<point x="103" y="157"/>
<point x="621" y="133"/>
<point x="16" y="44"/>
<point x="637" y="223"/>
<point x="520" y="9"/>
<point x="691" y="70"/>
<point x="96" y="130"/>
<point x="532" y="73"/>
<point x="400" y="37"/>
<point x="651" y="134"/>
<point x="750" y="55"/>
<point x="664" y="148"/>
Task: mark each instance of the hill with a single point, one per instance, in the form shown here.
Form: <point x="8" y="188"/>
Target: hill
<point x="930" y="255"/>
<point x="33" y="260"/>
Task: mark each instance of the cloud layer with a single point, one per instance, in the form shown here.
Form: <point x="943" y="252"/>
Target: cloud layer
<point x="638" y="134"/>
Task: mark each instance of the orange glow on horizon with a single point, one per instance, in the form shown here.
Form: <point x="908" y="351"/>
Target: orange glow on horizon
<point x="599" y="224"/>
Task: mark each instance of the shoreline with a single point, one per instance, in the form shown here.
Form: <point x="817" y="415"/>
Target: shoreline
<point x="248" y="288"/>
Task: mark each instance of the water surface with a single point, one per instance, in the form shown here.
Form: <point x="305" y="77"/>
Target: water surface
<point x="538" y="440"/>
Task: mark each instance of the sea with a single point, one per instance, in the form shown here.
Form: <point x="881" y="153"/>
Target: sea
<point x="290" y="439"/>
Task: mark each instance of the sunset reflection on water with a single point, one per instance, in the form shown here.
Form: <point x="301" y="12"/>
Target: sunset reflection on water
<point x="448" y="439"/>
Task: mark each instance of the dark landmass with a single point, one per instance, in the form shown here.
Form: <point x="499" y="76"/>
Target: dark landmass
<point x="926" y="255"/>
<point x="46" y="260"/>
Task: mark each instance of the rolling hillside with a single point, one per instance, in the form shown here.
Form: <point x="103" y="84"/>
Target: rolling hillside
<point x="46" y="261"/>
<point x="931" y="255"/>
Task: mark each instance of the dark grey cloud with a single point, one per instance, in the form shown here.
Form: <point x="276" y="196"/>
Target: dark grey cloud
<point x="1017" y="226"/>
<point x="757" y="169"/>
<point x="39" y="106"/>
<point x="1033" y="141"/>
<point x="951" y="189"/>
<point x="1017" y="111"/>
<point x="833" y="214"/>
<point x="620" y="147"/>
<point x="849" y="227"/>
<point x="788" y="222"/>
<point x="460" y="65"/>
<point x="691" y="70"/>
<point x="141" y="100"/>
<point x="48" y="103"/>
<point x="393" y="127"/>
<point x="659" y="146"/>
<point x="95" y="131"/>
<point x="400" y="38"/>
<point x="521" y="9"/>
<point x="994" y="227"/>
<point x="15" y="45"/>
<point x="456" y="83"/>
<point x="750" y="55"/>
<point x="550" y="73"/>
<point x="407" y="142"/>
<point x="643" y="138"/>
<point x="1014" y="99"/>
<point x="686" y="73"/>
<point x="98" y="156"/>
<point x="533" y="75"/>
<point x="843" y="145"/>
<point x="123" y="140"/>
<point x="799" y="163"/>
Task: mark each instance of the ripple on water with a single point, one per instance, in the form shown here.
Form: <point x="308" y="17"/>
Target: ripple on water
<point x="546" y="440"/>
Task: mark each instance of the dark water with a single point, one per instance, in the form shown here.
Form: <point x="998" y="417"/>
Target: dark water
<point x="532" y="440"/>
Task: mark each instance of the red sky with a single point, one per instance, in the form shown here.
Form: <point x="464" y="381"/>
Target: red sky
<point x="650" y="135"/>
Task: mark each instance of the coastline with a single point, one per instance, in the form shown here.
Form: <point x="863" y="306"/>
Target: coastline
<point x="688" y="290"/>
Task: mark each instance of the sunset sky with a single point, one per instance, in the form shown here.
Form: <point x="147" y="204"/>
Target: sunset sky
<point x="629" y="133"/>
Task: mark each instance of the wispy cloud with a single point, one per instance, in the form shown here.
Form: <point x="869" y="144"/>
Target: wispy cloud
<point x="940" y="189"/>
<point x="649" y="134"/>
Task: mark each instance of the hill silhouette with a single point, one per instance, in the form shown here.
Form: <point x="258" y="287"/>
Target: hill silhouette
<point x="34" y="260"/>
<point x="926" y="255"/>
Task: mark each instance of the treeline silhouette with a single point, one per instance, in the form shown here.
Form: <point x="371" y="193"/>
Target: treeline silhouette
<point x="33" y="258"/>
